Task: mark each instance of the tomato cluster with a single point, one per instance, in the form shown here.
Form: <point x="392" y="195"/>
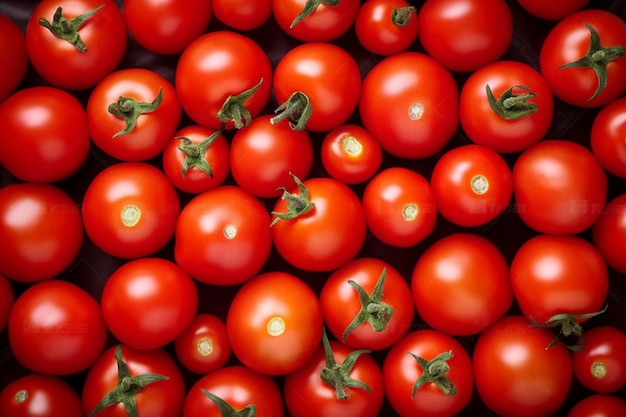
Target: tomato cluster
<point x="312" y="208"/>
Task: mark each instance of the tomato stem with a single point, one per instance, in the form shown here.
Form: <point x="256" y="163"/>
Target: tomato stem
<point x="194" y="153"/>
<point x="297" y="204"/>
<point x="234" y="109"/>
<point x="402" y="16"/>
<point x="297" y="109"/>
<point x="68" y="29"/>
<point x="512" y="107"/>
<point x="310" y="7"/>
<point x="129" y="109"/>
<point x="227" y="410"/>
<point x="435" y="371"/>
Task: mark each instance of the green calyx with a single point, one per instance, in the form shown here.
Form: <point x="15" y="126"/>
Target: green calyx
<point x="234" y="109"/>
<point x="597" y="58"/>
<point x="226" y="410"/>
<point x="297" y="204"/>
<point x="310" y="7"/>
<point x="129" y="109"/>
<point x="402" y="16"/>
<point x="435" y="371"/>
<point x="127" y="388"/>
<point x="510" y="106"/>
<point x="297" y="109"/>
<point x="194" y="153"/>
<point x="66" y="29"/>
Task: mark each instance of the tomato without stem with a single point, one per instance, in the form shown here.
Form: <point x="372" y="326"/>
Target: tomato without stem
<point x="607" y="137"/>
<point x="242" y="14"/>
<point x="598" y="405"/>
<point x="386" y="27"/>
<point x="13" y="56"/>
<point x="552" y="10"/>
<point x="203" y="346"/>
<point x="608" y="233"/>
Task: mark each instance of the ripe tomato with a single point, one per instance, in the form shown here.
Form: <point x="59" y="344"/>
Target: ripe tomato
<point x="56" y="327"/>
<point x="420" y="98"/>
<point x="559" y="187"/>
<point x="274" y="323"/>
<point x="552" y="10"/>
<point x="515" y="374"/>
<point x="13" y="56"/>
<point x="41" y="230"/>
<point x="130" y="210"/>
<point x="242" y="15"/>
<point x="80" y="42"/>
<point x="7" y="298"/>
<point x="599" y="405"/>
<point x="203" y="346"/>
<point x="428" y="373"/>
<point x="51" y="125"/>
<point x="471" y="275"/>
<point x="386" y="27"/>
<point x="608" y="233"/>
<point x="607" y="137"/>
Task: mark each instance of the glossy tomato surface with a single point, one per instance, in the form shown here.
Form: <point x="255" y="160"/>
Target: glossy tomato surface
<point x="13" y="56"/>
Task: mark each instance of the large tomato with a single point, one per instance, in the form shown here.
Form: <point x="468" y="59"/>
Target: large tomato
<point x="203" y="346"/>
<point x="607" y="137"/>
<point x="7" y="298"/>
<point x="13" y="56"/>
<point x="608" y="233"/>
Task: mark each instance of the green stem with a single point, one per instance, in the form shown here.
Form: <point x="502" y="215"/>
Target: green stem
<point x="297" y="109"/>
<point x="195" y="153"/>
<point x="310" y="6"/>
<point x="512" y="107"/>
<point x="297" y="204"/>
<point x="66" y="29"/>
<point x="129" y="109"/>
<point x="234" y="109"/>
<point x="435" y="371"/>
<point x="226" y="410"/>
<point x="402" y="16"/>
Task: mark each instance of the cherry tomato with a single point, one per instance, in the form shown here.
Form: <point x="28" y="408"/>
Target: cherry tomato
<point x="13" y="56"/>
<point x="608" y="233"/>
<point x="7" y="298"/>
<point x="607" y="137"/>
<point x="203" y="346"/>
<point x="552" y="10"/>
<point x="599" y="405"/>
<point x="242" y="14"/>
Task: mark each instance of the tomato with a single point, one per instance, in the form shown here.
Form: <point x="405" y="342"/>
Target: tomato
<point x="608" y="233"/>
<point x="51" y="125"/>
<point x="420" y="98"/>
<point x="559" y="187"/>
<point x="582" y="58"/>
<point x="386" y="27"/>
<point x="7" y="298"/>
<point x="233" y="89"/>
<point x="506" y="106"/>
<point x="73" y="44"/>
<point x="203" y="346"/>
<point x="318" y="86"/>
<point x="41" y="230"/>
<point x="263" y="154"/>
<point x="133" y="113"/>
<point x="460" y="284"/>
<point x="233" y="389"/>
<point x="274" y="323"/>
<point x="148" y="302"/>
<point x="552" y="10"/>
<point x="514" y="373"/>
<point x="598" y="406"/>
<point x="56" y="327"/>
<point x="166" y="27"/>
<point x="242" y="14"/>
<point x="465" y="35"/>
<point x="318" y="226"/>
<point x="147" y="382"/>
<point x="13" y="56"/>
<point x="130" y="210"/>
<point x="428" y="373"/>
<point x="607" y="137"/>
<point x="601" y="364"/>
<point x="367" y="304"/>
<point x="223" y="236"/>
<point x="39" y="395"/>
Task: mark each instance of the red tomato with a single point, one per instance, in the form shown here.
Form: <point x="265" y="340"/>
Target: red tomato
<point x="41" y="230"/>
<point x="274" y="323"/>
<point x="472" y="276"/>
<point x="7" y="298"/>
<point x="223" y="236"/>
<point x="130" y="210"/>
<point x="51" y="125"/>
<point x="148" y="302"/>
<point x="56" y="327"/>
<point x="13" y="56"/>
<point x="242" y="14"/>
<point x="607" y="137"/>
<point x="552" y="10"/>
<point x="420" y="98"/>
<point x="464" y="35"/>
<point x="559" y="187"/>
<point x="237" y="66"/>
<point x="599" y="406"/>
<point x="39" y="395"/>
<point x="428" y="373"/>
<point x="515" y="374"/>
<point x="203" y="346"/>
<point x="608" y="233"/>
<point x="582" y="58"/>
<point x="386" y="27"/>
<point x="75" y="55"/>
<point x="367" y="304"/>
<point x="166" y="27"/>
<point x="506" y="106"/>
<point x="133" y="113"/>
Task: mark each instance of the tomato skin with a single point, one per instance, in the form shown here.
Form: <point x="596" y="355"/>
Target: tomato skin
<point x="599" y="405"/>
<point x="553" y="10"/>
<point x="608" y="233"/>
<point x="13" y="56"/>
<point x="203" y="346"/>
<point x="607" y="137"/>
<point x="377" y="31"/>
<point x="242" y="14"/>
<point x="7" y="298"/>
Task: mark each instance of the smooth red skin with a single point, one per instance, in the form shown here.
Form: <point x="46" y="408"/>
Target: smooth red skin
<point x="568" y="41"/>
<point x="148" y="302"/>
<point x="166" y="27"/>
<point x="514" y="373"/>
<point x="263" y="154"/>
<point x="48" y="396"/>
<point x="607" y="137"/>
<point x="340" y="303"/>
<point x="237" y="64"/>
<point x="13" y="56"/>
<point x="242" y="14"/>
<point x="485" y="127"/>
<point x="327" y="74"/>
<point x="553" y="274"/>
<point x="326" y="237"/>
<point x="238" y="386"/>
<point x="195" y="180"/>
<point x="41" y="229"/>
<point x="159" y="399"/>
<point x="608" y="233"/>
<point x="465" y="35"/>
<point x="203" y="328"/>
<point x="377" y="33"/>
<point x="7" y="298"/>
<point x="153" y="130"/>
<point x="451" y="181"/>
<point x="460" y="284"/>
<point x="56" y="328"/>
<point x="45" y="134"/>
<point x="396" y="83"/>
<point x="552" y="10"/>
<point x="58" y="62"/>
<point x="401" y="370"/>
<point x="559" y="187"/>
<point x="202" y="249"/>
<point x="123" y="184"/>
<point x="268" y="295"/>
<point x="606" y="345"/>
<point x="599" y="405"/>
<point x="307" y="395"/>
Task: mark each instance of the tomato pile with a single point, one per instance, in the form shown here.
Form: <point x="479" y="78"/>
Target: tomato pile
<point x="324" y="208"/>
